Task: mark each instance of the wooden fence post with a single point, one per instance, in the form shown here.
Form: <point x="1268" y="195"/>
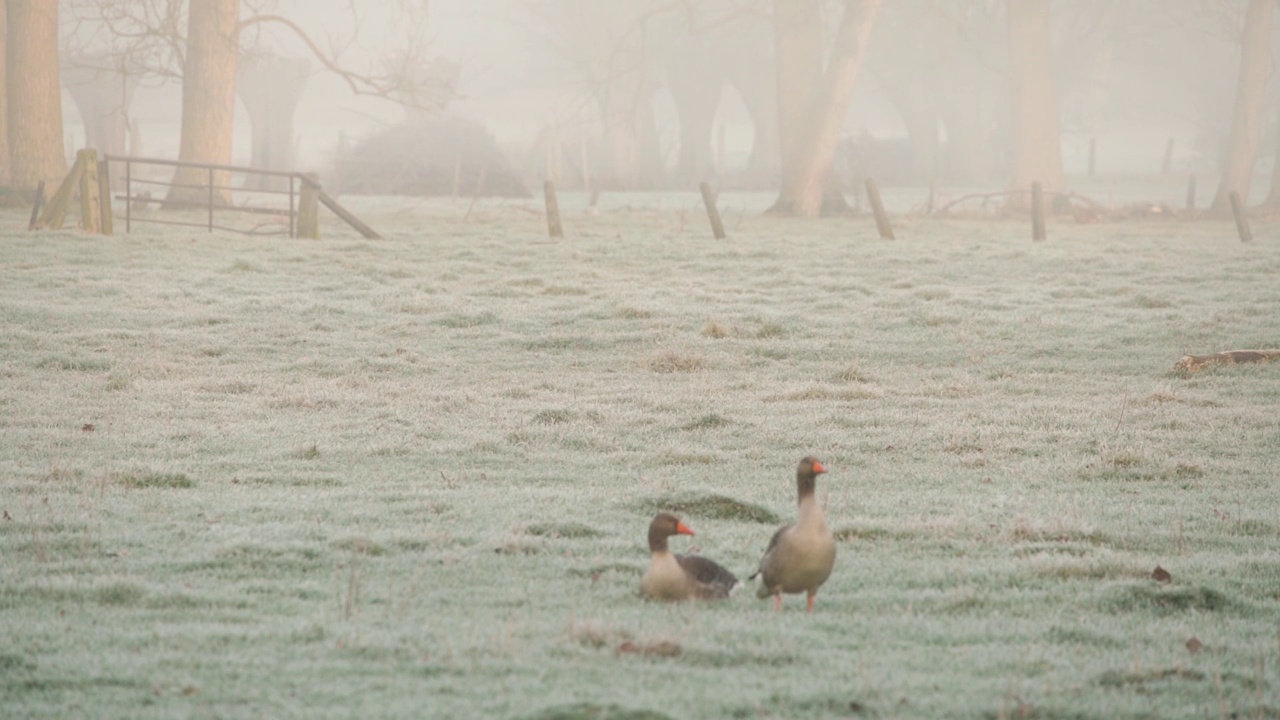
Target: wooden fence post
<point x="309" y="207"/>
<point x="90" y="210"/>
<point x="1242" y="218"/>
<point x="877" y="207"/>
<point x="713" y="213"/>
<point x="1167" y="165"/>
<point x="1037" y="211"/>
<point x="554" y="228"/>
<point x="106" y="222"/>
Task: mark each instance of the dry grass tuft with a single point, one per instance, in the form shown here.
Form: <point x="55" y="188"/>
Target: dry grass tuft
<point x="670" y="361"/>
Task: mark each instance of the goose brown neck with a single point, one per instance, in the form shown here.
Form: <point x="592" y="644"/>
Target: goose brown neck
<point x="805" y="484"/>
<point x="657" y="539"/>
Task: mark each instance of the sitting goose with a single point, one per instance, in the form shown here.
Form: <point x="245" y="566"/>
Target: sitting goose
<point x="681" y="577"/>
<point x="800" y="556"/>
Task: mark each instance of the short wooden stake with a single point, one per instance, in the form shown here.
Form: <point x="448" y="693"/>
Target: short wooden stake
<point x="1191" y="192"/>
<point x="1242" y="219"/>
<point x="877" y="207"/>
<point x="35" y="207"/>
<point x="1093" y="155"/>
<point x="90" y="210"/>
<point x="554" y="228"/>
<point x="1037" y="211"/>
<point x="713" y="213"/>
<point x="1167" y="165"/>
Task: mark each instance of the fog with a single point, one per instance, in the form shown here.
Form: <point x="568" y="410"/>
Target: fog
<point x="931" y="101"/>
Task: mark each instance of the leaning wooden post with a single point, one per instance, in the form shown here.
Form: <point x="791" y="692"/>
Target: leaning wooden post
<point x="554" y="228"/>
<point x="35" y="207"/>
<point x="1242" y="219"/>
<point x="713" y="213"/>
<point x="309" y="207"/>
<point x="90" y="210"/>
<point x="877" y="207"/>
<point x="1167" y="165"/>
<point x="1191" y="192"/>
<point x="1037" y="211"/>
<point x="55" y="211"/>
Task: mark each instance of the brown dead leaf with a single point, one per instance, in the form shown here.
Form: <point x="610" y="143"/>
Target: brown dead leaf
<point x="6" y="515"/>
<point x="1161" y="575"/>
<point x="1194" y="645"/>
<point x="190" y="690"/>
<point x="88" y="427"/>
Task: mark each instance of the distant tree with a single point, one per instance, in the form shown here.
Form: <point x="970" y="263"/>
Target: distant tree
<point x="610" y="46"/>
<point x="208" y="96"/>
<point x="33" y="93"/>
<point x="1246" y="118"/>
<point x="201" y="42"/>
<point x="813" y="98"/>
<point x="1037" y="140"/>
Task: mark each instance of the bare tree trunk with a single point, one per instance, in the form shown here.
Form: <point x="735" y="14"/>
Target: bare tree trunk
<point x="695" y="87"/>
<point x="103" y="97"/>
<point x="5" y="174"/>
<point x="1246" y="120"/>
<point x="208" y="98"/>
<point x="629" y="136"/>
<point x="270" y="87"/>
<point x="808" y="155"/>
<point x="797" y="28"/>
<point x="1273" y="197"/>
<point x="34" y="94"/>
<point x="1037" y="140"/>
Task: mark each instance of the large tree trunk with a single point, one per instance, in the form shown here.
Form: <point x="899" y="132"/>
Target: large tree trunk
<point x="631" y="160"/>
<point x="695" y="87"/>
<point x="1037" y="141"/>
<point x="807" y="156"/>
<point x="271" y="87"/>
<point x="103" y="95"/>
<point x="5" y="175"/>
<point x="1246" y="120"/>
<point x="1273" y="197"/>
<point x="208" y="98"/>
<point x="34" y="94"/>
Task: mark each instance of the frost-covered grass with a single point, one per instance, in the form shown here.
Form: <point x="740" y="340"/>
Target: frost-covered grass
<point x="411" y="478"/>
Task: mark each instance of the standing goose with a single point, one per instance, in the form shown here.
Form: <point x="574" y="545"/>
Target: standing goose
<point x="800" y="556"/>
<point x="681" y="577"/>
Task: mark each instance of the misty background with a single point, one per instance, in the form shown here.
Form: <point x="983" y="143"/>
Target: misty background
<point x="931" y="101"/>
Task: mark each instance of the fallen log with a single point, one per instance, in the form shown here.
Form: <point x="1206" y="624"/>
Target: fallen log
<point x="1195" y="363"/>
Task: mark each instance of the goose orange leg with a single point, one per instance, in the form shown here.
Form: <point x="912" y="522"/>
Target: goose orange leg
<point x="811" y="596"/>
<point x="777" y="602"/>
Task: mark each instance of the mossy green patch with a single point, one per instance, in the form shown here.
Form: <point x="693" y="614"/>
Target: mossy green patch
<point x="717" y="507"/>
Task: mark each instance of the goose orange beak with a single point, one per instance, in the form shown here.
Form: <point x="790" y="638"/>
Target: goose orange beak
<point x="818" y="468"/>
<point x="683" y="529"/>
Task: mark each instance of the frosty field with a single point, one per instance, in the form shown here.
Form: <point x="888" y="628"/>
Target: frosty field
<point x="254" y="477"/>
